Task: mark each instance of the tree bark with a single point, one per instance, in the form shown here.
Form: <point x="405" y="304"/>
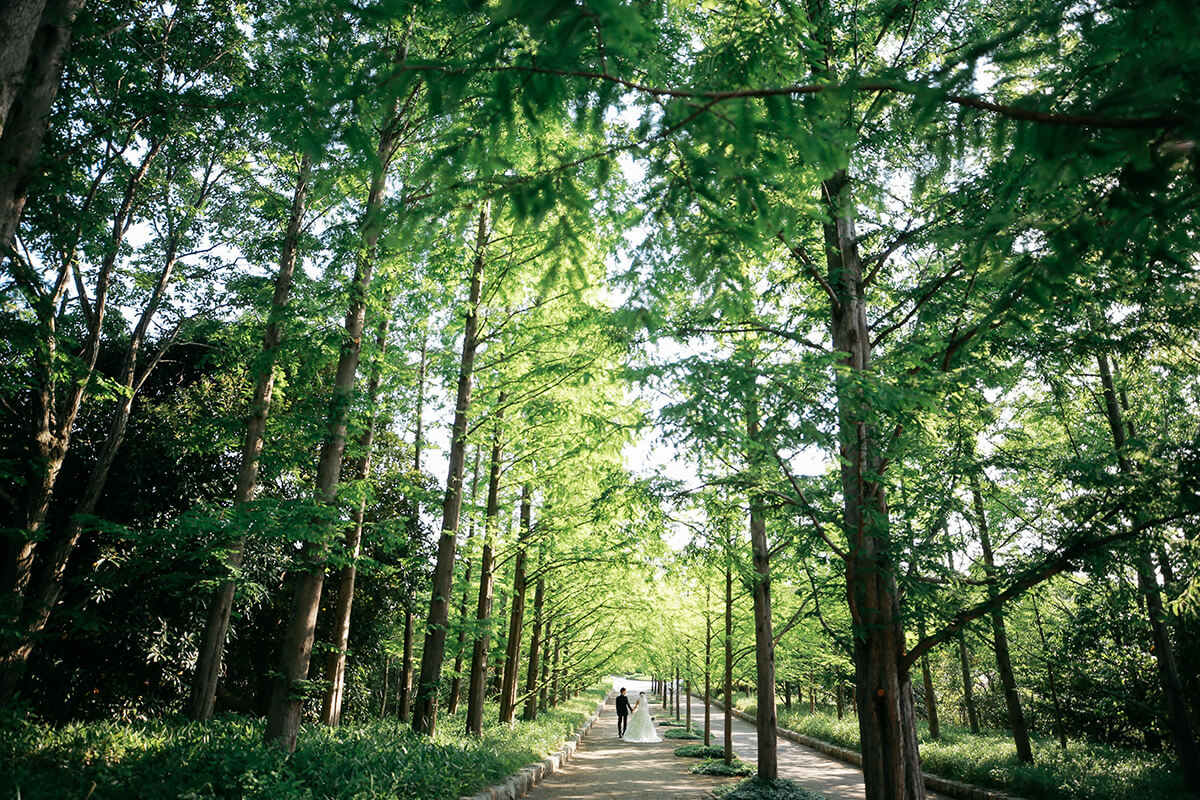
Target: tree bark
<point x="283" y="716"/>
<point x="931" y="709"/>
<point x="406" y="660"/>
<point x="216" y="629"/>
<point x="1012" y="700"/>
<point x="335" y="668"/>
<point x="544" y="691"/>
<point x="460" y="645"/>
<point x="764" y="650"/>
<point x="556" y="673"/>
<point x="19" y="21"/>
<point x="477" y="678"/>
<point x="535" y="643"/>
<point x="512" y="655"/>
<point x="28" y="111"/>
<point x="883" y="687"/>
<point x="1182" y="737"/>
<point x="1059" y="729"/>
<point x="729" y="657"/>
<point x="429" y="683"/>
<point x="43" y="592"/>
<point x="708" y="637"/>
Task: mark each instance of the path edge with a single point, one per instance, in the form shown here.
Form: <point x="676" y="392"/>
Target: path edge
<point x="955" y="789"/>
<point x="523" y="780"/>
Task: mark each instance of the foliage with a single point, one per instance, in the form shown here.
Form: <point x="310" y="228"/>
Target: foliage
<point x="228" y="759"/>
<point x="683" y="733"/>
<point x="699" y="751"/>
<point x="758" y="789"/>
<point x="717" y="766"/>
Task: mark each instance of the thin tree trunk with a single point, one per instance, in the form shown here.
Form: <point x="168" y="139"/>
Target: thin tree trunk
<point x="729" y="658"/>
<point x="335" y="669"/>
<point x="883" y="686"/>
<point x="708" y="637"/>
<point x="1012" y="700"/>
<point x="1182" y="736"/>
<point x="477" y="678"/>
<point x="461" y="644"/>
<point x="1059" y="729"/>
<point x="512" y="655"/>
<point x="687" y="704"/>
<point x="283" y="716"/>
<point x="387" y="662"/>
<point x="931" y="710"/>
<point x="544" y="691"/>
<point x="29" y="103"/>
<point x="535" y="644"/>
<point x="42" y="594"/>
<point x="557" y="669"/>
<point x="429" y="684"/>
<point x="406" y="663"/>
<point x="216" y="629"/>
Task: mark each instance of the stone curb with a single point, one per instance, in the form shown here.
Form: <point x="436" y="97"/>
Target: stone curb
<point x="520" y="783"/>
<point x="955" y="789"/>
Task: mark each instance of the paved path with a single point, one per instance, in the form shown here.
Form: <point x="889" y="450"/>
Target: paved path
<point x="604" y="766"/>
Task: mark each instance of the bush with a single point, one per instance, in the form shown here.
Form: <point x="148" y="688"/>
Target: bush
<point x="700" y="751"/>
<point x="758" y="789"/>
<point x="227" y="758"/>
<point x="679" y="733"/>
<point x="717" y="766"/>
<point x="1086" y="771"/>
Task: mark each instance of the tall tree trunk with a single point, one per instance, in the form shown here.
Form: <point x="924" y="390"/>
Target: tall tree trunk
<point x="335" y="668"/>
<point x="477" y="678"/>
<point x="1012" y="700"/>
<point x="216" y="629"/>
<point x="535" y="643"/>
<point x="557" y="672"/>
<point x="29" y="103"/>
<point x="729" y="657"/>
<point x="544" y="690"/>
<point x="708" y="637"/>
<point x="283" y="716"/>
<point x="687" y="703"/>
<point x="931" y="709"/>
<point x="461" y="644"/>
<point x="1182" y="737"/>
<point x="764" y="649"/>
<point x="429" y="683"/>
<point x="19" y="21"/>
<point x="883" y="686"/>
<point x="1059" y="729"/>
<point x="406" y="663"/>
<point x="512" y="655"/>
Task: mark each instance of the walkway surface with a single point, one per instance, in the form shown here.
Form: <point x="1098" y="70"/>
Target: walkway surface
<point x="605" y="766"/>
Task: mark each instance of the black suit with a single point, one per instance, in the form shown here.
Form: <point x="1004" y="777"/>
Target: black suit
<point x="623" y="710"/>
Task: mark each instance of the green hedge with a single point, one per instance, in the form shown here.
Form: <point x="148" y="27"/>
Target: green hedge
<point x="227" y="758"/>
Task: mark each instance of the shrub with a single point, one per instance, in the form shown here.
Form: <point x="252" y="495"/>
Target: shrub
<point x="717" y="766"/>
<point x="700" y="751"/>
<point x="758" y="789"/>
<point x="227" y="758"/>
<point x="683" y="733"/>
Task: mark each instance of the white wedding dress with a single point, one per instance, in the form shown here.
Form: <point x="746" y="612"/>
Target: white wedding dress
<point x="641" y="727"/>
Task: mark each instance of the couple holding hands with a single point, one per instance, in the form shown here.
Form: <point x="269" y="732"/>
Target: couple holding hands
<point x="641" y="728"/>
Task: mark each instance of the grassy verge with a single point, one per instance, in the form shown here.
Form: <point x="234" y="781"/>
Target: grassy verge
<point x="227" y="758"/>
<point x="1086" y="771"/>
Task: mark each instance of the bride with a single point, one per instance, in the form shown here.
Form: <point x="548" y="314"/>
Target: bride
<point x="641" y="726"/>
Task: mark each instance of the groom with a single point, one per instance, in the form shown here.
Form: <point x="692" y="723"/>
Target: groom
<point x="622" y="713"/>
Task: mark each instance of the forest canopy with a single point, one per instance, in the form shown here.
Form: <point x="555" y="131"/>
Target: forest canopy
<point x="435" y="360"/>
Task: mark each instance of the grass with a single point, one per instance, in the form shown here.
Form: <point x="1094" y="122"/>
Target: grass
<point x="1086" y="771"/>
<point x="227" y="758"/>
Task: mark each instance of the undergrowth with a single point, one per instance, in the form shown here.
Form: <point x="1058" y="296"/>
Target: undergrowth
<point x="700" y="751"/>
<point x="1085" y="771"/>
<point x="717" y="766"/>
<point x="227" y="758"/>
<point x="759" y="789"/>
